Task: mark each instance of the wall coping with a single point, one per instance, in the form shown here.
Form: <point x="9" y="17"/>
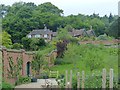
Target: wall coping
<point x="17" y="51"/>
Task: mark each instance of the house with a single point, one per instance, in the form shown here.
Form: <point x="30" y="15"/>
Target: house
<point x="78" y="33"/>
<point x="49" y="35"/>
<point x="82" y="33"/>
<point x="91" y="33"/>
<point x="41" y="33"/>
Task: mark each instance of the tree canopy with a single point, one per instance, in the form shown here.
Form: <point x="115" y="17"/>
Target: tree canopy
<point x="21" y="18"/>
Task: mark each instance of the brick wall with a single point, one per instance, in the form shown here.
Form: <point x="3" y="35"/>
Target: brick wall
<point x="26" y="57"/>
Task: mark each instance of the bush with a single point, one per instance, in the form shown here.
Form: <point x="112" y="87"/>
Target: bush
<point x="44" y="75"/>
<point x="17" y="46"/>
<point x="104" y="37"/>
<point x="7" y="86"/>
<point x="23" y="80"/>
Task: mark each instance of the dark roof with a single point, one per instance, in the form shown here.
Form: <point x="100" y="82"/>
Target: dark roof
<point x="40" y="31"/>
<point x="78" y="32"/>
<point x="54" y="34"/>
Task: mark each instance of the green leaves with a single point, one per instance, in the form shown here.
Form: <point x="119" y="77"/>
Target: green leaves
<point x="6" y="39"/>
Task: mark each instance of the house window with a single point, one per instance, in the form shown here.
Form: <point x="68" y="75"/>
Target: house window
<point x="29" y="36"/>
<point x="37" y="36"/>
<point x="45" y="36"/>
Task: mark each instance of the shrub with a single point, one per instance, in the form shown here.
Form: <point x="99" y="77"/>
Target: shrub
<point x="23" y="80"/>
<point x="104" y="37"/>
<point x="7" y="86"/>
<point x="17" y="46"/>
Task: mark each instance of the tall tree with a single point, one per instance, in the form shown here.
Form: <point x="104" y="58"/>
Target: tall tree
<point x="6" y="41"/>
<point x="49" y="7"/>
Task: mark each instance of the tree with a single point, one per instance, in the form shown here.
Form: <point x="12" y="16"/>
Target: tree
<point x="69" y="28"/>
<point x="113" y="30"/>
<point x="38" y="62"/>
<point x="110" y="18"/>
<point x="6" y="39"/>
<point x="17" y="46"/>
<point x="63" y="34"/>
<point x="26" y="43"/>
<point x="98" y="26"/>
<point x="3" y="10"/>
<point x="48" y="7"/>
<point x="61" y="47"/>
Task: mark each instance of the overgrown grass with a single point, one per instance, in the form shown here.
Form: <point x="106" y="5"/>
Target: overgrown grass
<point x="90" y="58"/>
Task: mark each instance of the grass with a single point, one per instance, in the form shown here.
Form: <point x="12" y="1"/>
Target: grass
<point x="80" y="57"/>
<point x="92" y="59"/>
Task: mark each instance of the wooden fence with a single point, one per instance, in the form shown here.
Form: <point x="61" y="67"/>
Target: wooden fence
<point x="81" y="80"/>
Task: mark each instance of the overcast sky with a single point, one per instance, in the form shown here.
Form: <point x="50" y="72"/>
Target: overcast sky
<point x="86" y="7"/>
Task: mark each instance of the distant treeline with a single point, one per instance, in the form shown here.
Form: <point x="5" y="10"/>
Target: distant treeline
<point x="21" y="18"/>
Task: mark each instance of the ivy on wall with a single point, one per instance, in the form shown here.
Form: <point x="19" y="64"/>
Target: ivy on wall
<point x="14" y="69"/>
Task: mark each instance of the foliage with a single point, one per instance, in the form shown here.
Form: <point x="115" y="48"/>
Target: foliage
<point x="63" y="34"/>
<point x="113" y="30"/>
<point x="48" y="7"/>
<point x="60" y="61"/>
<point x="6" y="39"/>
<point x="21" y="18"/>
<point x="88" y="58"/>
<point x="61" y="47"/>
<point x="7" y="86"/>
<point x="15" y="69"/>
<point x="23" y="80"/>
<point x="39" y="61"/>
<point x="104" y="37"/>
<point x="3" y="10"/>
<point x="26" y="43"/>
<point x="33" y="43"/>
<point x="17" y="46"/>
<point x="69" y="28"/>
<point x="87" y="38"/>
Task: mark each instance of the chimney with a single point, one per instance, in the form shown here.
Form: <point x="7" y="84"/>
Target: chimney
<point x="45" y="28"/>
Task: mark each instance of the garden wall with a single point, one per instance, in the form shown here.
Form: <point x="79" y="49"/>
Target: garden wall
<point x="26" y="57"/>
<point x="14" y="54"/>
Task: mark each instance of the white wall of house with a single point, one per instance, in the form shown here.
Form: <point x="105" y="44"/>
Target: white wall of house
<point x="29" y="36"/>
<point x="37" y="36"/>
<point x="45" y="35"/>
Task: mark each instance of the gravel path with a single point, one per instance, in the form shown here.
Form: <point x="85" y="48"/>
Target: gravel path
<point x="39" y="84"/>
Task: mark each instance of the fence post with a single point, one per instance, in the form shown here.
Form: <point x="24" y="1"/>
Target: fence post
<point x="70" y="78"/>
<point x="78" y="80"/>
<point x="83" y="79"/>
<point x="66" y="79"/>
<point x="111" y="79"/>
<point x="104" y="79"/>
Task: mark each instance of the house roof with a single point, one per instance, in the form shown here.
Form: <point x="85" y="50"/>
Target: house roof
<point x="54" y="34"/>
<point x="75" y="32"/>
<point x="40" y="31"/>
<point x="78" y="32"/>
<point x="91" y="33"/>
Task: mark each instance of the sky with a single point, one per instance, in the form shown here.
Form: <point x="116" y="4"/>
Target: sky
<point x="87" y="7"/>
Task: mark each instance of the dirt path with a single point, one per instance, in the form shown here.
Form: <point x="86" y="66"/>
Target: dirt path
<point x="39" y="84"/>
